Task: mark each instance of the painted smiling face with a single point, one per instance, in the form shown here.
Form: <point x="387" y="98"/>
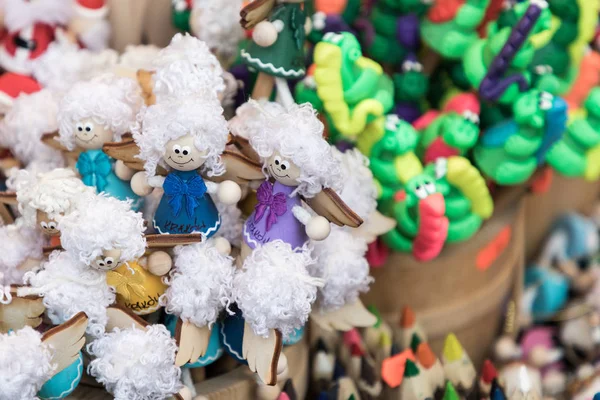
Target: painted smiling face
<point x="108" y="260"/>
<point x="283" y="170"/>
<point x="91" y="136"/>
<point x="182" y="155"/>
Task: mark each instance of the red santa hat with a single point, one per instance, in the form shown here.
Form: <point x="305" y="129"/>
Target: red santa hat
<point x="95" y="9"/>
<point x="12" y="86"/>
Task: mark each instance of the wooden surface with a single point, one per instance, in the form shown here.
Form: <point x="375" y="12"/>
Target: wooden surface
<point x="565" y="194"/>
<point x="449" y="294"/>
<point x="238" y="384"/>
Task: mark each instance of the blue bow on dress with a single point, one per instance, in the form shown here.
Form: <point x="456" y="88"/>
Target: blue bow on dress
<point x="177" y="189"/>
<point x="94" y="171"/>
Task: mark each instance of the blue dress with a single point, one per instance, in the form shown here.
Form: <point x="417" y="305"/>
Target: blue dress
<point x="186" y="207"/>
<point x="64" y="383"/>
<point x="214" y="350"/>
<point x="97" y="170"/>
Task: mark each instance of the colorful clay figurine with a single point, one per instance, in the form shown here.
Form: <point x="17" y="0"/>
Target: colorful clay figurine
<point x="45" y="366"/>
<point x="573" y="154"/>
<point x="180" y="138"/>
<point x="332" y="16"/>
<point x="21" y="133"/>
<point x="452" y="132"/>
<point x="546" y="293"/>
<point x="199" y="289"/>
<point x="394" y="30"/>
<point x="118" y="251"/>
<point x="410" y="86"/>
<point x="354" y="89"/>
<point x="136" y="360"/>
<point x="277" y="47"/>
<point x="181" y="12"/>
<point x="467" y="197"/>
<point x="579" y="333"/>
<point x="92" y="114"/>
<point x="497" y="66"/>
<point x="458" y="366"/>
<point x="449" y="28"/>
<point x="509" y="152"/>
<point x="216" y="23"/>
<point x="274" y="256"/>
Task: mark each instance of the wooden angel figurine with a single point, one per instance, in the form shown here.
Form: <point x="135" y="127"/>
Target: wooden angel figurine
<point x="46" y="197"/>
<point x="277" y="49"/>
<point x="117" y="251"/>
<point x="45" y="366"/>
<point x="91" y="114"/>
<point x="180" y="138"/>
<point x="298" y="164"/>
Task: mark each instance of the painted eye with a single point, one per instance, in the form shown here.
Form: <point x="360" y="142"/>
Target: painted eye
<point x="79" y="127"/>
<point x="89" y="126"/>
<point x="406" y="66"/>
<point x="52" y="225"/>
<point x="418" y="67"/>
<point x="421" y="192"/>
<point x="44" y="225"/>
<point x="109" y="261"/>
<point x="285" y="165"/>
<point x="277" y="160"/>
<point x="430" y="188"/>
<point x="176" y="149"/>
<point x="186" y="150"/>
<point x="100" y="263"/>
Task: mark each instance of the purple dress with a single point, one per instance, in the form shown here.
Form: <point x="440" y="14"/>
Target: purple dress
<point x="273" y="219"/>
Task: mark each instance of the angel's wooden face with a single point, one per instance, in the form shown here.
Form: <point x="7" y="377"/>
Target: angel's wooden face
<point x="48" y="225"/>
<point x="108" y="260"/>
<point x="181" y="154"/>
<point x="283" y="170"/>
<point x="90" y="135"/>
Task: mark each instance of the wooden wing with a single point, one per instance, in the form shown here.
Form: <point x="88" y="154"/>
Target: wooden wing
<point x="167" y="241"/>
<point x="47" y="250"/>
<point x="51" y="140"/>
<point x="6" y="199"/>
<point x="9" y="198"/>
<point x="144" y="79"/>
<point x="123" y="318"/>
<point x="255" y="12"/>
<point x="192" y="342"/>
<point x="66" y="340"/>
<point x="243" y="145"/>
<point x="329" y="205"/>
<point x="126" y="151"/>
<point x="239" y="168"/>
<point x="21" y="311"/>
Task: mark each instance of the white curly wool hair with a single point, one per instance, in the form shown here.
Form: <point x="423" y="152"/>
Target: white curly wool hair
<point x="108" y="100"/>
<point x="136" y="364"/>
<point x="25" y="364"/>
<point x="217" y="23"/>
<point x="17" y="243"/>
<point x="297" y="135"/>
<point x="274" y="289"/>
<point x="341" y="263"/>
<point x="68" y="286"/>
<point x="201" y="117"/>
<point x="55" y="193"/>
<point x="358" y="191"/>
<point x="31" y="116"/>
<point x="250" y="118"/>
<point x="64" y="63"/>
<point x="186" y="67"/>
<point x="200" y="284"/>
<point x="139" y="57"/>
<point x="101" y="223"/>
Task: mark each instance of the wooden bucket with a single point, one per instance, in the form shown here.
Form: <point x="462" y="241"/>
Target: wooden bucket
<point x="458" y="292"/>
<point x="238" y="384"/>
<point x="542" y="209"/>
<point x="140" y="22"/>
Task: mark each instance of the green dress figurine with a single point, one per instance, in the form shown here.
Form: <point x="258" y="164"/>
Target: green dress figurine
<point x="277" y="48"/>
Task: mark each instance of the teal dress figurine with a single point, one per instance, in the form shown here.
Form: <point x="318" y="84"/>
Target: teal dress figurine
<point x="214" y="351"/>
<point x="186" y="207"/>
<point x="277" y="49"/>
<point x="97" y="170"/>
<point x="64" y="383"/>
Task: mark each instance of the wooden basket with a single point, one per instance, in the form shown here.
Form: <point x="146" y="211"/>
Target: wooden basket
<point x="542" y="209"/>
<point x="457" y="292"/>
<point x="238" y="384"/>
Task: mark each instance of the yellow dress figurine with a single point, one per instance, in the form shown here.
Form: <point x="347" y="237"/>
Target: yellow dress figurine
<point x="136" y="288"/>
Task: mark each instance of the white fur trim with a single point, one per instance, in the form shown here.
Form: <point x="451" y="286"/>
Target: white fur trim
<point x="95" y="13"/>
<point x="291" y="73"/>
<point x="136" y="364"/>
<point x="14" y="63"/>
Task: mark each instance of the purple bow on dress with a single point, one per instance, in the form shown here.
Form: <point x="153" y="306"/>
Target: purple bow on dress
<point x="276" y="204"/>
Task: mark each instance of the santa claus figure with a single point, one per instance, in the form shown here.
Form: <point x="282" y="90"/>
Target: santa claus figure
<point x="31" y="25"/>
